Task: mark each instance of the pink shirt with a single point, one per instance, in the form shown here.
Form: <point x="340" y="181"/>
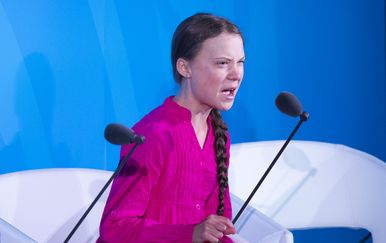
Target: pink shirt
<point x="167" y="186"/>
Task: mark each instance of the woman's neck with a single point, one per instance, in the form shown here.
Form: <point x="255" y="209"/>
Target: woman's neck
<point x="199" y="111"/>
<point x="199" y="114"/>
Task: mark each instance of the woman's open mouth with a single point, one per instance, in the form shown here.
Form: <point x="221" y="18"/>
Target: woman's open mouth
<point x="229" y="93"/>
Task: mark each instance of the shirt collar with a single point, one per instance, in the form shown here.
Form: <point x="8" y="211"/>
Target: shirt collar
<point x="180" y="111"/>
<point x="177" y="110"/>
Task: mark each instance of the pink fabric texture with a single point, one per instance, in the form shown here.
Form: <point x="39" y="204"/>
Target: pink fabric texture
<point x="169" y="184"/>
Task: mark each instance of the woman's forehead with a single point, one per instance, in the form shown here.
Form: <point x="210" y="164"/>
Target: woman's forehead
<point x="223" y="45"/>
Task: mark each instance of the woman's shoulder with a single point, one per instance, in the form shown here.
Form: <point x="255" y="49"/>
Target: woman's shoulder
<point x="152" y="120"/>
<point x="153" y="127"/>
<point x="158" y="121"/>
<point x="164" y="117"/>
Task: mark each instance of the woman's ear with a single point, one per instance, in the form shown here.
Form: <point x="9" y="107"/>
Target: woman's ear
<point x="183" y="68"/>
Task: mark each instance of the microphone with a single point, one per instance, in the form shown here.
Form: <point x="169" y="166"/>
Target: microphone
<point x="116" y="134"/>
<point x="287" y="103"/>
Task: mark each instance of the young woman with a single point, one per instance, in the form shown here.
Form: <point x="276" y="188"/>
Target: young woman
<point x="175" y="186"/>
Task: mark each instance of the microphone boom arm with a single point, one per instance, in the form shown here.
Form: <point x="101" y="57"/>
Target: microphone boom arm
<point x="303" y="117"/>
<point x="138" y="141"/>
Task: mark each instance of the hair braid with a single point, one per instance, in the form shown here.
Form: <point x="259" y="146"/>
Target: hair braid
<point x="220" y="130"/>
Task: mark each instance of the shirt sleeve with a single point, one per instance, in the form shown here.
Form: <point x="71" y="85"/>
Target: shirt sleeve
<point x="124" y="217"/>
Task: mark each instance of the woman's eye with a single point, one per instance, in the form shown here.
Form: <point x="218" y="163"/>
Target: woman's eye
<point x="222" y="62"/>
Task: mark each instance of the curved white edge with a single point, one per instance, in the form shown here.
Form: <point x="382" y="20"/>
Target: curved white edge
<point x="279" y="143"/>
<point x="58" y="169"/>
<point x="10" y="234"/>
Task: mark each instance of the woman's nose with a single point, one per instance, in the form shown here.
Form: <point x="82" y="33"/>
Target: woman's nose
<point x="236" y="72"/>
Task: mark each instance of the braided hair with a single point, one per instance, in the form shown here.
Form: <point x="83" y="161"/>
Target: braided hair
<point x="220" y="135"/>
<point x="187" y="42"/>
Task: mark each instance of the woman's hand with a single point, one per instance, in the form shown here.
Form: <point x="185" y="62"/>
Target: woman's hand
<point x="212" y="229"/>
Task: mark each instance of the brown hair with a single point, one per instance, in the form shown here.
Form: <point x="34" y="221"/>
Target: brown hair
<point x="187" y="42"/>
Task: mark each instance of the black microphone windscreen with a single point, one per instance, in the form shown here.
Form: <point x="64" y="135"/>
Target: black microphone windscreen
<point x="118" y="134"/>
<point x="287" y="103"/>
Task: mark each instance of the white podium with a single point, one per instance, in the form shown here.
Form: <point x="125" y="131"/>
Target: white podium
<point x="312" y="185"/>
<point x="10" y="234"/>
<point x="46" y="205"/>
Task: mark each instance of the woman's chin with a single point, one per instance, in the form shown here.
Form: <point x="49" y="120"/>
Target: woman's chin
<point x="225" y="106"/>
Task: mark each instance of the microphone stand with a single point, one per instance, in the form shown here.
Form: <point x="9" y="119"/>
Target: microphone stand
<point x="303" y="117"/>
<point x="139" y="140"/>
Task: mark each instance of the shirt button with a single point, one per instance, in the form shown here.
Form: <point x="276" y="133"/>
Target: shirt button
<point x="198" y="206"/>
<point x="201" y="163"/>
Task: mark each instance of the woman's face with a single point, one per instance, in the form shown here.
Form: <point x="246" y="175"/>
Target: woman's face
<point x="216" y="72"/>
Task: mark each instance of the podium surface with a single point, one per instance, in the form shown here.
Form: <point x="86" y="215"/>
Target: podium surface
<point x="312" y="185"/>
<point x="46" y="205"/>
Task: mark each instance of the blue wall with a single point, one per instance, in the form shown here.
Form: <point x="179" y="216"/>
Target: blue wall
<point x="68" y="68"/>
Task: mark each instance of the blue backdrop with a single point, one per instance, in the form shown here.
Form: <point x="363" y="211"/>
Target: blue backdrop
<point x="68" y="68"/>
